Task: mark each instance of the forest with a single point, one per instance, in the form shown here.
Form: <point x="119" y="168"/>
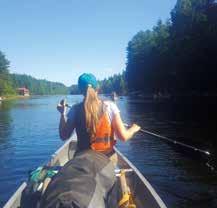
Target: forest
<point x="5" y="79"/>
<point x="10" y="82"/>
<point x="115" y="83"/>
<point x="38" y="86"/>
<point x="177" y="56"/>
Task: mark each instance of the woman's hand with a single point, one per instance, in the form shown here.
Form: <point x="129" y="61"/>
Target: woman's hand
<point x="119" y="127"/>
<point x="61" y="107"/>
<point x="135" y="128"/>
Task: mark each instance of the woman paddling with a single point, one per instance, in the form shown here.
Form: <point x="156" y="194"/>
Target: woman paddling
<point x="97" y="122"/>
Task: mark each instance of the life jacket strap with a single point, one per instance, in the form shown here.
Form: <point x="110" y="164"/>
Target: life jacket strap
<point x="102" y="140"/>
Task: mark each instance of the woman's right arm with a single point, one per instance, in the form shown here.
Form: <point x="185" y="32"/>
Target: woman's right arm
<point x="65" y="126"/>
<point x="122" y="132"/>
<point x="64" y="130"/>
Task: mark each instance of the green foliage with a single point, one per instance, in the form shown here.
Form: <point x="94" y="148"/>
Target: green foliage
<point x="5" y="81"/>
<point x="6" y="88"/>
<point x="73" y="90"/>
<point x="115" y="83"/>
<point x="143" y="50"/>
<point x="9" y="82"/>
<point x="177" y="56"/>
<point x="38" y="86"/>
<point x="4" y="64"/>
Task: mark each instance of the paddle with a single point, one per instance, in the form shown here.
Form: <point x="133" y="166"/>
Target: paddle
<point x="207" y="153"/>
<point x="174" y="141"/>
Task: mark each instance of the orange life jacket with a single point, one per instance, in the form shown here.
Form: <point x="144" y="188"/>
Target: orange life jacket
<point x="104" y="140"/>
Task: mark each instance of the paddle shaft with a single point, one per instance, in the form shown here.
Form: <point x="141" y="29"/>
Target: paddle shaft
<point x="207" y="153"/>
<point x="175" y="142"/>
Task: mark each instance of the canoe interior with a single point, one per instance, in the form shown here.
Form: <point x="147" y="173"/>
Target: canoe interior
<point x="144" y="194"/>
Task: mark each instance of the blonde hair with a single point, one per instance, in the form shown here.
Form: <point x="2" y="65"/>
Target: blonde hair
<point x="92" y="111"/>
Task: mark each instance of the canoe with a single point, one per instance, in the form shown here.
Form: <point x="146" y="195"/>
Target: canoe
<point x="144" y="194"/>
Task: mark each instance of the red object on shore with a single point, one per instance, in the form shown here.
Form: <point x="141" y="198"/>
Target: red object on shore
<point x="23" y="91"/>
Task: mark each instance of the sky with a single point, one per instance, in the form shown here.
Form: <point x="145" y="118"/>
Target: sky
<point x="58" y="40"/>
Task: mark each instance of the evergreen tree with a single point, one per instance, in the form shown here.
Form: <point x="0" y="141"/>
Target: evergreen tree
<point x="177" y="56"/>
<point x="5" y="82"/>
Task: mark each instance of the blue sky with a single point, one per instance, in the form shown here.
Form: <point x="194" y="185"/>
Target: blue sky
<point x="58" y="40"/>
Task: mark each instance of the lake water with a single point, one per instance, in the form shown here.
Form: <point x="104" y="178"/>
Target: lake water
<point x="29" y="135"/>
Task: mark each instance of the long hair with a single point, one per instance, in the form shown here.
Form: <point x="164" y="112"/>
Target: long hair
<point x="92" y="111"/>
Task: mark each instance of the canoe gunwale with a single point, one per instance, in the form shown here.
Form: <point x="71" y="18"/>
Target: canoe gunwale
<point x="16" y="197"/>
<point x="144" y="180"/>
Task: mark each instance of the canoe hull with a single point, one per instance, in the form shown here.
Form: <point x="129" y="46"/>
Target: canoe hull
<point x="143" y="192"/>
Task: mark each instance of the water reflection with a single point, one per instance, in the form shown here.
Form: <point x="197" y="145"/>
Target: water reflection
<point x="179" y="176"/>
<point x="5" y="121"/>
<point x="29" y="135"/>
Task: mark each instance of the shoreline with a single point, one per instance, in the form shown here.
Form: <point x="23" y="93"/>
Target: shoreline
<point x="12" y="97"/>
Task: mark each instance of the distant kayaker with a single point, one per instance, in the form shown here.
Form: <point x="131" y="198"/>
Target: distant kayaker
<point x="97" y="122"/>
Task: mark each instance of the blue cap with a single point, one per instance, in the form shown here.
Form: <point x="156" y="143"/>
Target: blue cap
<point x="86" y="80"/>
